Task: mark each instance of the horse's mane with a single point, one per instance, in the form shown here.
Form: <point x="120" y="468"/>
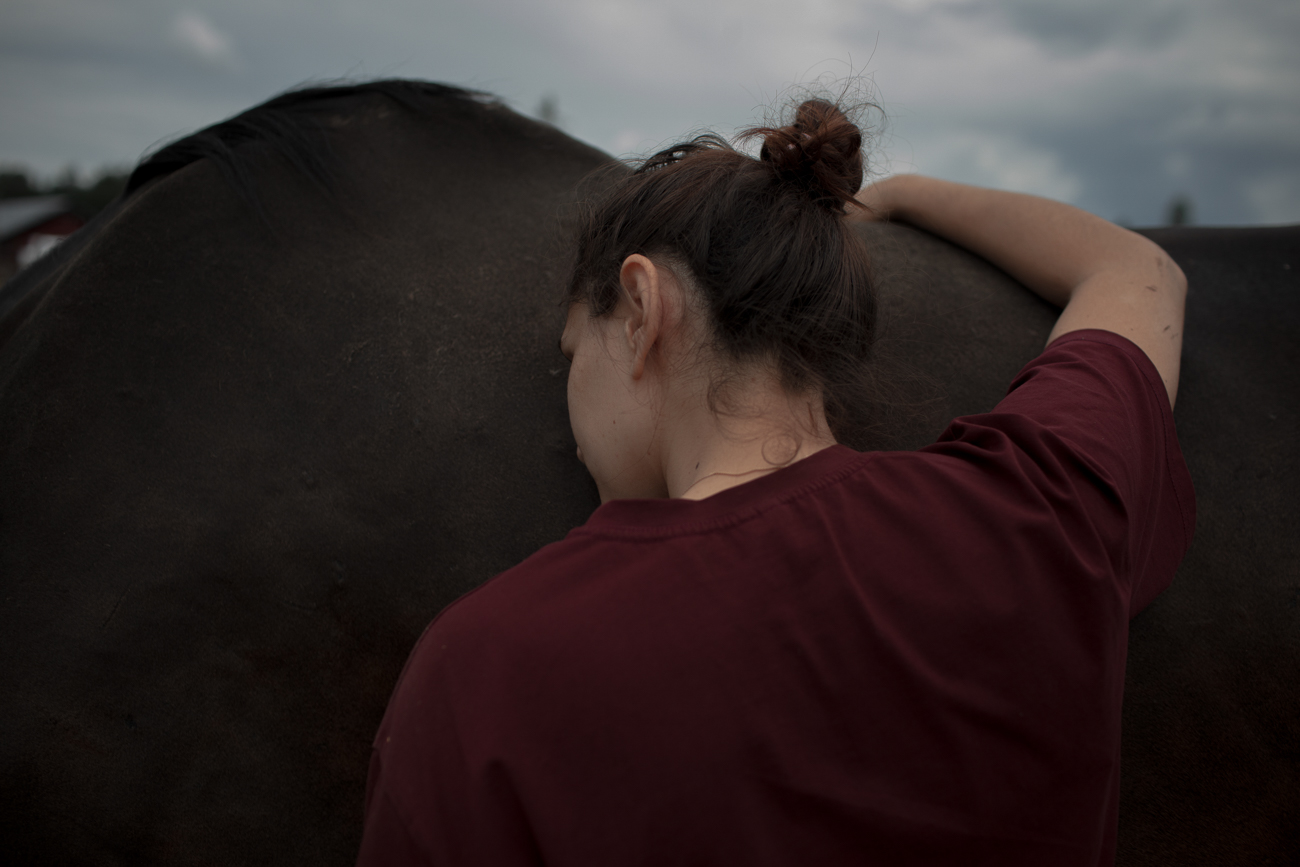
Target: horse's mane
<point x="291" y="126"/>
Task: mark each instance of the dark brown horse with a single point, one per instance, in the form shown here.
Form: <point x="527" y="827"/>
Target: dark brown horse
<point x="299" y="389"/>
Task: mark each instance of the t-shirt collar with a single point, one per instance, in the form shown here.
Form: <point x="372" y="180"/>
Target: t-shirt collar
<point x="660" y="513"/>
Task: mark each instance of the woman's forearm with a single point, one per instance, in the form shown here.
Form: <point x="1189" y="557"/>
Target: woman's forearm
<point x="1048" y="246"/>
<point x="1102" y="275"/>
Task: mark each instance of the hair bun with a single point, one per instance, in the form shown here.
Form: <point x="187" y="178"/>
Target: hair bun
<point x="822" y="150"/>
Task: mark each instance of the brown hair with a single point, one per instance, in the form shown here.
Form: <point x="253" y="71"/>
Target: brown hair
<point x="784" y="280"/>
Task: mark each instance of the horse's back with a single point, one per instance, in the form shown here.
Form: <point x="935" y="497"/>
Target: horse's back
<point x="247" y="458"/>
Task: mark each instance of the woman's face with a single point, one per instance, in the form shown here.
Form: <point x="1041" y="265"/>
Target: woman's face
<point x="613" y="414"/>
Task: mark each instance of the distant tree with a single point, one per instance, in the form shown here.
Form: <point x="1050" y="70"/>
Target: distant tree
<point x="94" y="196"/>
<point x="15" y="183"/>
<point x="86" y="199"/>
<point x="1179" y="211"/>
<point x="548" y="110"/>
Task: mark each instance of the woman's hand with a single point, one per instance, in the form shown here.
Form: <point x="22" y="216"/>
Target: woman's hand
<point x="1102" y="275"/>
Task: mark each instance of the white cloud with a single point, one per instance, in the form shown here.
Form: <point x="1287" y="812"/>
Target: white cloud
<point x="1114" y="104"/>
<point x="629" y="142"/>
<point x="925" y="7"/>
<point x="192" y="31"/>
<point x="1178" y="165"/>
<point x="1275" y="197"/>
<point x="998" y="161"/>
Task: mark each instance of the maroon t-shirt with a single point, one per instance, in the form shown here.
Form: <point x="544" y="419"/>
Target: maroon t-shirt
<point x="886" y="658"/>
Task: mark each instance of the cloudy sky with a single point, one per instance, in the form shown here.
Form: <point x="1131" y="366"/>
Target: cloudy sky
<point x="1114" y="105"/>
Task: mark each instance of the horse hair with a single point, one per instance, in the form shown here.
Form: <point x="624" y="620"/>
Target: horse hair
<point x="289" y="125"/>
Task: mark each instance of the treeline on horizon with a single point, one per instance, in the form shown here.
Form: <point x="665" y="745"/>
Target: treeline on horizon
<point x="86" y="196"/>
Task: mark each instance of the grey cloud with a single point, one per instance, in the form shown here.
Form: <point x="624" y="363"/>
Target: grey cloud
<point x="1084" y="27"/>
<point x="1237" y="158"/>
<point x="193" y="32"/>
<point x="1214" y="115"/>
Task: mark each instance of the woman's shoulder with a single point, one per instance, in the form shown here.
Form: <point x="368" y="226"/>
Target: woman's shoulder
<point x="1094" y="389"/>
<point x="1097" y="354"/>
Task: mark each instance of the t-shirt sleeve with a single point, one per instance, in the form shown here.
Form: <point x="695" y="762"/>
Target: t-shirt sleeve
<point x="1088" y="425"/>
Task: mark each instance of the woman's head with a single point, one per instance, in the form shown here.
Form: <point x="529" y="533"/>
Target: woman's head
<point x="773" y="278"/>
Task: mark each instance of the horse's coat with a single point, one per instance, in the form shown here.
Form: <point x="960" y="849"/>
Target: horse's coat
<point x="244" y="460"/>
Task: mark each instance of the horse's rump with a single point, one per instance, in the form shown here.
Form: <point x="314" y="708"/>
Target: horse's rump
<point x="292" y="397"/>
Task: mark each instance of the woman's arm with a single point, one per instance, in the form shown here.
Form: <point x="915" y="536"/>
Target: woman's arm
<point x="1102" y="275"/>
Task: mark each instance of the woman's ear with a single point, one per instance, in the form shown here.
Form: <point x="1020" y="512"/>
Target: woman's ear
<point x="643" y="290"/>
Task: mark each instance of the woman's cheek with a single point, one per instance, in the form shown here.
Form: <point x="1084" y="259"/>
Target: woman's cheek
<point x="574" y="396"/>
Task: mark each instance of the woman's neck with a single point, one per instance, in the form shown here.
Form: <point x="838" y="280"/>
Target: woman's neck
<point x="708" y="452"/>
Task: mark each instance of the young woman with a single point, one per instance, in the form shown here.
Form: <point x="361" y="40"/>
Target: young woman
<point x="764" y="647"/>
